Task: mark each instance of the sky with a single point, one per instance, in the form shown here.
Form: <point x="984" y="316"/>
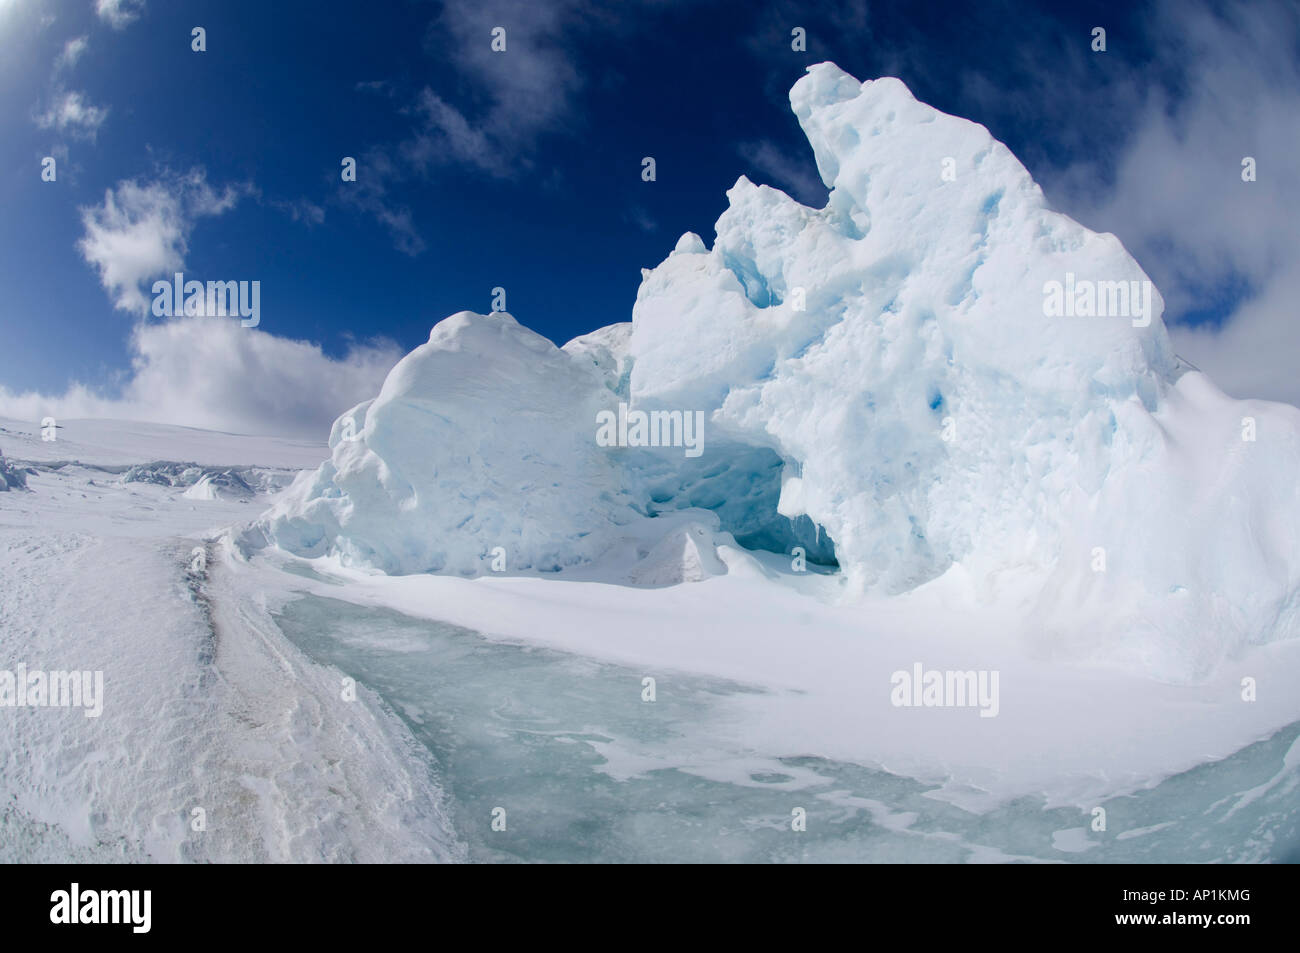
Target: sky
<point x="522" y="169"/>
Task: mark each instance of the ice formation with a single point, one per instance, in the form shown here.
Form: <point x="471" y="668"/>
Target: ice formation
<point x="11" y="476"/>
<point x="480" y="440"/>
<point x="884" y="384"/>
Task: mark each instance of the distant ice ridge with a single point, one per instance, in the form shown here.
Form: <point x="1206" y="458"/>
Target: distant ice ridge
<point x="882" y="385"/>
<point x="11" y="475"/>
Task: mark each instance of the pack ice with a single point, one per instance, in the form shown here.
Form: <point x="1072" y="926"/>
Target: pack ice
<point x="882" y="386"/>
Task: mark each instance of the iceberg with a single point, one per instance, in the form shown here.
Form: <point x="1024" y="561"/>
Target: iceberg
<point x="479" y="448"/>
<point x="890" y="385"/>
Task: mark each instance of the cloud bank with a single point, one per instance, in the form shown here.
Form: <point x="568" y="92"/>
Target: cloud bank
<point x="213" y="374"/>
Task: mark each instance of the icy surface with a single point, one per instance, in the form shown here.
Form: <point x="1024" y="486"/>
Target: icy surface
<point x="220" y="485"/>
<point x="820" y="673"/>
<point x="12" y="476"/>
<point x="591" y="772"/>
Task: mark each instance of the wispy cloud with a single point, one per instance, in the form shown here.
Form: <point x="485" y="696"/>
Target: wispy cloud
<point x="119" y="14"/>
<point x="380" y="86"/>
<point x="376" y="173"/>
<point x="141" y="231"/>
<point x="522" y="91"/>
<point x="70" y="112"/>
<point x="506" y="102"/>
<point x="445" y="135"/>
<point x="301" y="210"/>
<point x="798" y="176"/>
<point x="774" y="22"/>
<point x="73" y="114"/>
<point x="72" y="51"/>
<point x="1174" y="193"/>
<point x="639" y="217"/>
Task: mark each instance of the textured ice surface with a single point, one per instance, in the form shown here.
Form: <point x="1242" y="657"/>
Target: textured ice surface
<point x="12" y="476"/>
<point x="482" y="438"/>
<point x="882" y="385"/>
<point x="923" y="301"/>
<point x="222" y="485"/>
<point x="588" y="771"/>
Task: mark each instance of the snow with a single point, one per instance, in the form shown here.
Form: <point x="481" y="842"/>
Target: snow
<point x="12" y="477"/>
<point x="204" y="704"/>
<point x="127" y="442"/>
<point x="223" y="485"/>
<point x="819" y="674"/>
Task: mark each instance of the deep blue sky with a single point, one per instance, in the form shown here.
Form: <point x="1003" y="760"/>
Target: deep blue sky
<point x="554" y="208"/>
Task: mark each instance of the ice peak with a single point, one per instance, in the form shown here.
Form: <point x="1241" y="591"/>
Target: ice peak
<point x="690" y="244"/>
<point x="824" y="84"/>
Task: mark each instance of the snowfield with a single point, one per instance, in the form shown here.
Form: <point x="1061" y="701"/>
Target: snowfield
<point x="910" y="463"/>
<point x="223" y="680"/>
<point x="205" y="706"/>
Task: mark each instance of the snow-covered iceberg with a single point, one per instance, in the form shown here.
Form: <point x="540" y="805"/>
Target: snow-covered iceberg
<point x="478" y="448"/>
<point x="936" y="374"/>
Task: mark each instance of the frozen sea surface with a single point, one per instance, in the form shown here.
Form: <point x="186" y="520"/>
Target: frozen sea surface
<point x="585" y="770"/>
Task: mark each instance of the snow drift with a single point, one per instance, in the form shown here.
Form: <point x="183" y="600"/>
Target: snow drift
<point x="884" y="385"/>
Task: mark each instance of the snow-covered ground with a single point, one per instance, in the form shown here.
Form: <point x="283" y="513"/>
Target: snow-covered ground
<point x="117" y="443"/>
<point x="205" y="706"/>
<point x="223" y="680"/>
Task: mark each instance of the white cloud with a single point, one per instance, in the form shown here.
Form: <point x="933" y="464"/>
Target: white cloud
<point x="375" y="171"/>
<point x="72" y="51"/>
<point x="527" y="88"/>
<point x="141" y="232"/>
<point x="1176" y="198"/>
<point x="520" y="94"/>
<point x="638" y="216"/>
<point x="207" y="372"/>
<point x="1257" y="352"/>
<point x="448" y="136"/>
<point x="213" y="374"/>
<point x="301" y="210"/>
<point x="72" y="113"/>
<point x="524" y="90"/>
<point x="119" y="13"/>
